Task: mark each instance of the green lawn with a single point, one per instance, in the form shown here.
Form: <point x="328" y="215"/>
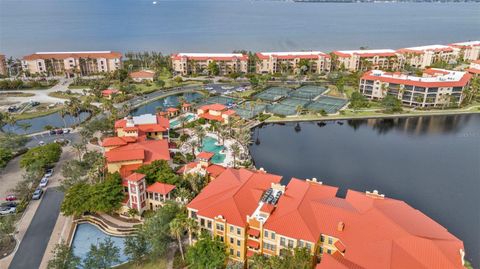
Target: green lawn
<point x="149" y="264"/>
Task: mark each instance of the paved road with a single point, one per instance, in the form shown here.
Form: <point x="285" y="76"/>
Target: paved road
<point x="33" y="245"/>
<point x="47" y="138"/>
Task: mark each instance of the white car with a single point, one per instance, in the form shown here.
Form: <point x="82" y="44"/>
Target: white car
<point x="66" y="130"/>
<point x="41" y="143"/>
<point x="7" y="210"/>
<point x="44" y="182"/>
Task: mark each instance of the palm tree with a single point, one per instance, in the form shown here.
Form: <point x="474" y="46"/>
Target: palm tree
<point x="191" y="225"/>
<point x="201" y="134"/>
<point x="63" y="112"/>
<point x="177" y="227"/>
<point x="182" y="119"/>
<point x="79" y="148"/>
<point x="235" y="152"/>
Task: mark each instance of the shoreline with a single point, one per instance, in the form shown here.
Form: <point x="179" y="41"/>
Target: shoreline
<point x="350" y="117"/>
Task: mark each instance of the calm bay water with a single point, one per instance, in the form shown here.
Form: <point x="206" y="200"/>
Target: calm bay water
<point x="432" y="163"/>
<point x="205" y="25"/>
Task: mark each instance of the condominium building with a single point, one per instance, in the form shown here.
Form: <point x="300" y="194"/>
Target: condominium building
<point x="282" y="62"/>
<point x="469" y="51"/>
<point x="3" y="66"/>
<point x="253" y="213"/>
<point x="216" y="112"/>
<point x="437" y="87"/>
<point x="474" y="68"/>
<point x="197" y="63"/>
<point x="139" y="140"/>
<point x="81" y="63"/>
<point x="363" y="60"/>
<point x="424" y="56"/>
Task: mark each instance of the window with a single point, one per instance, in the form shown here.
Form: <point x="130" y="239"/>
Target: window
<point x="238" y="253"/>
<point x="322" y="238"/>
<point x="238" y="242"/>
<point x="231" y="251"/>
<point x="202" y="222"/>
<point x="273" y="235"/>
<point x="231" y="240"/>
<point x="300" y="244"/>
<point x="238" y="231"/>
<point x="321" y="250"/>
<point x="269" y="246"/>
<point x="266" y="234"/>
<point x="209" y="224"/>
<point x="308" y="246"/>
<point x="219" y="227"/>
<point x="330" y="240"/>
<point x="231" y="229"/>
<point x="282" y="242"/>
<point x="290" y="243"/>
<point x="329" y="251"/>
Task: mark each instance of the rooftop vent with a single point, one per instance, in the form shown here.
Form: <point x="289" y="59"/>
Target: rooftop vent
<point x="341" y="226"/>
<point x="314" y="180"/>
<point x="375" y="194"/>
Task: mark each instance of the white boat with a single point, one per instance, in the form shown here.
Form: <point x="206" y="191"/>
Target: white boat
<point x="154" y="2"/>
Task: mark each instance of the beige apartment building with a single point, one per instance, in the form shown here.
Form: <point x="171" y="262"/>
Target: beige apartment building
<point x="197" y="63"/>
<point x="3" y="66"/>
<point x="283" y="62"/>
<point x="424" y="56"/>
<point x="253" y="213"/>
<point x="81" y="63"/>
<point x="437" y="87"/>
<point x="469" y="51"/>
<point x="363" y="60"/>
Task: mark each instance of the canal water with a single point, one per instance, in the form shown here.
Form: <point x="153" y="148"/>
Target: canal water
<point x="38" y="124"/>
<point x="432" y="163"/>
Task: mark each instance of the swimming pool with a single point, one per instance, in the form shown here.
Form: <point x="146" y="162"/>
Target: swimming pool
<point x="87" y="234"/>
<point x="208" y="144"/>
<point x="175" y="123"/>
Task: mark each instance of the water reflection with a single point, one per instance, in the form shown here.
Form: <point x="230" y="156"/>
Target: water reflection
<point x="432" y="163"/>
<point x="169" y="101"/>
<point x="38" y="124"/>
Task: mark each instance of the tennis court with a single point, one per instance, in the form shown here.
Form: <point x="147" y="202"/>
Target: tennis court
<point x="248" y="110"/>
<point x="288" y="106"/>
<point x="329" y="104"/>
<point x="273" y="94"/>
<point x="308" y="92"/>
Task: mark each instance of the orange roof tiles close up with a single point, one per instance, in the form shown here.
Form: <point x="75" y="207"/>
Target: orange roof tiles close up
<point x="161" y="188"/>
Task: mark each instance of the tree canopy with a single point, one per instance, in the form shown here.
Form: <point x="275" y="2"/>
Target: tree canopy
<point x="103" y="256"/>
<point x="207" y="252"/>
<point x="391" y="104"/>
<point x="159" y="171"/>
<point x="357" y="100"/>
<point x="42" y="156"/>
<point x="105" y="196"/>
<point x="298" y="258"/>
<point x="63" y="258"/>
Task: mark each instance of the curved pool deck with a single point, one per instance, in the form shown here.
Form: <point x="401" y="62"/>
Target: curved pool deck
<point x="87" y="234"/>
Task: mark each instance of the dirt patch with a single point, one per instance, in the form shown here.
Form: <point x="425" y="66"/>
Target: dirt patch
<point x="7" y="246"/>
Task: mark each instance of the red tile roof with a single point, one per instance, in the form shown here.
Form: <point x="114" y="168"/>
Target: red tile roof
<point x="186" y="105"/>
<point x="142" y="74"/>
<point x="229" y="112"/>
<point x="121" y="155"/>
<point x="215" y="170"/>
<point x="216" y="107"/>
<point x="473" y="70"/>
<point x="65" y="55"/>
<point x="128" y="169"/>
<point x="109" y="92"/>
<point x="234" y="195"/>
<point x="161" y="126"/>
<point x="187" y="167"/>
<point x="161" y="188"/>
<point x="205" y="155"/>
<point x="172" y="109"/>
<point x="143" y="149"/>
<point x="113" y="141"/>
<point x="211" y="117"/>
<point x="135" y="177"/>
<point x="212" y="57"/>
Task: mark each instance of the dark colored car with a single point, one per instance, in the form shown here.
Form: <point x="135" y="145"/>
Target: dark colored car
<point x="53" y="132"/>
<point x="59" y="131"/>
<point x="9" y="204"/>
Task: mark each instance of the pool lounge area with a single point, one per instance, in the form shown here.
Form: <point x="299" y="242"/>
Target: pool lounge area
<point x="87" y="234"/>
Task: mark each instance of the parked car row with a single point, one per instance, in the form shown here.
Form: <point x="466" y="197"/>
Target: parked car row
<point x="60" y="131"/>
